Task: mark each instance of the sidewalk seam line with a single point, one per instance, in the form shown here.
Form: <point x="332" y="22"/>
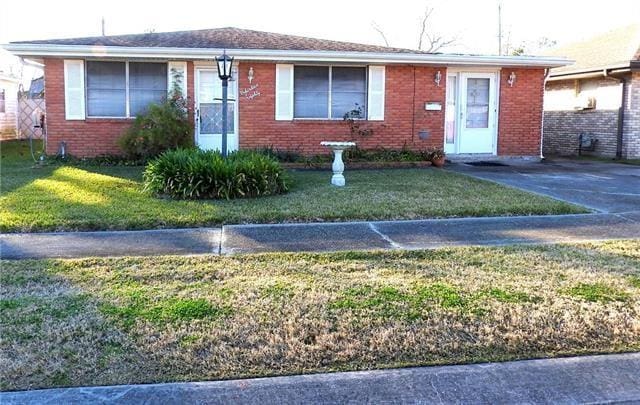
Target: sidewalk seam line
<point x="386" y="238"/>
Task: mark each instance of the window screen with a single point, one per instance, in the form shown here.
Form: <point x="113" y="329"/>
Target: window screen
<point x="147" y="84"/>
<point x="348" y="91"/>
<point x="311" y="91"/>
<point x="106" y="89"/>
<point x="477" y="103"/>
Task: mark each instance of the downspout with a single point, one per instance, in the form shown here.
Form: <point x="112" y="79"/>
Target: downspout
<point x="547" y="71"/>
<point x="413" y="115"/>
<point x="620" y="129"/>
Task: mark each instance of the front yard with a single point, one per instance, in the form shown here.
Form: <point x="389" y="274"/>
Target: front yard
<point x="143" y="320"/>
<point x="58" y="197"/>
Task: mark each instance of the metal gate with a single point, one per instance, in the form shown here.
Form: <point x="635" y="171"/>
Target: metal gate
<point x="30" y="113"/>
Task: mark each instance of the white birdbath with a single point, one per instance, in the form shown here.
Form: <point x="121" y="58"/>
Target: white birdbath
<point x="338" y="165"/>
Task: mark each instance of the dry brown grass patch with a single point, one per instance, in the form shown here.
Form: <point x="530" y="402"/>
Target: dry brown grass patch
<point x="135" y="320"/>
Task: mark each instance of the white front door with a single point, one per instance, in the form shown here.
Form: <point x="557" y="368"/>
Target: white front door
<point x="478" y="117"/>
<point x="471" y="119"/>
<point x="209" y="111"/>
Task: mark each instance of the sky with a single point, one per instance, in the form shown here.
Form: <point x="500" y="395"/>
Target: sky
<point x="472" y="22"/>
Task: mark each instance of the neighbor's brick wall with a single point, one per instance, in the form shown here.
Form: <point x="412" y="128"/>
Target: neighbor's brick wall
<point x="404" y="114"/>
<point x="520" y="125"/>
<point x="631" y="130"/>
<point x="563" y="127"/>
<point x="89" y="137"/>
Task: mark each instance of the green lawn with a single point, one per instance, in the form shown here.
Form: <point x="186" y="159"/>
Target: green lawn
<point x="143" y="320"/>
<point x="57" y="197"/>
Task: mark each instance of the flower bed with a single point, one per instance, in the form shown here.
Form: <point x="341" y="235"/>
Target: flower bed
<point x="198" y="174"/>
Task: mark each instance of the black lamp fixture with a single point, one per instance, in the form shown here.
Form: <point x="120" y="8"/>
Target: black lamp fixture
<point x="225" y="64"/>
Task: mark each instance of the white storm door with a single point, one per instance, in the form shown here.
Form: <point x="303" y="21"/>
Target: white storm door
<point x="209" y="111"/>
<point x="450" y="115"/>
<point x="478" y="112"/>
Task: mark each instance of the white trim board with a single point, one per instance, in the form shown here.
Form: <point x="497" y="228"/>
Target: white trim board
<point x="76" y="51"/>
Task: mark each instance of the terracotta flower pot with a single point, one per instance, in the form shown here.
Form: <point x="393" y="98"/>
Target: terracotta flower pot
<point x="439" y="162"/>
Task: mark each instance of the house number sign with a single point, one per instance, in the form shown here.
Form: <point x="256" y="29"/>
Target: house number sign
<point x="250" y="92"/>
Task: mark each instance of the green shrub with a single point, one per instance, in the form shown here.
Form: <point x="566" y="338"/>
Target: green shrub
<point x="379" y="154"/>
<point x="162" y="127"/>
<point x="198" y="174"/>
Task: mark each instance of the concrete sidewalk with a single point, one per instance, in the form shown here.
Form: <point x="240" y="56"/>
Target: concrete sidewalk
<point x="573" y="380"/>
<point x="321" y="237"/>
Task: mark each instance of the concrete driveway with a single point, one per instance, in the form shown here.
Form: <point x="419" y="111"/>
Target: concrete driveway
<point x="600" y="186"/>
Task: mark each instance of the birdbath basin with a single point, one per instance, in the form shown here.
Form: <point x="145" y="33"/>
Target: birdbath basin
<point x="338" y="165"/>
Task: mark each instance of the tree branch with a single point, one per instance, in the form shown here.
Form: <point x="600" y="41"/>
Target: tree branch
<point x="376" y="27"/>
<point x="433" y="41"/>
<point x="427" y="14"/>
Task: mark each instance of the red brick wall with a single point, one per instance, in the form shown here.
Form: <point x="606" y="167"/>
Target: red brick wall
<point x="520" y="119"/>
<point x="89" y="137"/>
<point x="407" y="90"/>
<point x="404" y="114"/>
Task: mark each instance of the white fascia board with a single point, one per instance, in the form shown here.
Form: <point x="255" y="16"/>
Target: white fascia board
<point x="69" y="51"/>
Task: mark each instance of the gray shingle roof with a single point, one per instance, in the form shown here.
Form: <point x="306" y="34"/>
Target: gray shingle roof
<point x="221" y="38"/>
<point x="612" y="49"/>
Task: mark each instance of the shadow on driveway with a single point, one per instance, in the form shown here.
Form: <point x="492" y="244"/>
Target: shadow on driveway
<point x="600" y="186"/>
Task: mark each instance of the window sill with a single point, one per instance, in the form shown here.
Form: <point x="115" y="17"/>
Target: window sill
<point x="323" y="120"/>
<point x="109" y="119"/>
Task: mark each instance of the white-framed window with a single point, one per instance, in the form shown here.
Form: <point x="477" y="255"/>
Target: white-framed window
<point x="123" y="89"/>
<point x="3" y="106"/>
<point x="329" y="92"/>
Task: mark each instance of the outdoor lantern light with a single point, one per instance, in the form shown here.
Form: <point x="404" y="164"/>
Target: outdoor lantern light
<point x="512" y="79"/>
<point x="438" y="78"/>
<point x="225" y="63"/>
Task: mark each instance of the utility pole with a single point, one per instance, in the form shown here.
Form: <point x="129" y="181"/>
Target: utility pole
<point x="103" y="26"/>
<point x="499" y="27"/>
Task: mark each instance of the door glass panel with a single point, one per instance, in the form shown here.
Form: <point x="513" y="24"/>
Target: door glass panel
<point x="211" y="118"/>
<point x="450" y="118"/>
<point x="477" y="103"/>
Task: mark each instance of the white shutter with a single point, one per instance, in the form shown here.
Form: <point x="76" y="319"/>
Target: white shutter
<point x="375" y="96"/>
<point x="74" y="89"/>
<point x="284" y="92"/>
<point x="177" y="68"/>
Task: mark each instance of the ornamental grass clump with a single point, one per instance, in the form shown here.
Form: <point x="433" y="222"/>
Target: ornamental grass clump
<point x="198" y="174"/>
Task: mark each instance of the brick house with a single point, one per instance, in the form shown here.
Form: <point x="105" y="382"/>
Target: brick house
<point x="292" y="92"/>
<point x="598" y="96"/>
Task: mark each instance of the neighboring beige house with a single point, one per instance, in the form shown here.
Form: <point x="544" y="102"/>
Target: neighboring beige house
<point x="598" y="96"/>
<point x="8" y="106"/>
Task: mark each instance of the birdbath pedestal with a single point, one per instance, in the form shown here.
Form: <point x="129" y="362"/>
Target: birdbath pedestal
<point x="338" y="165"/>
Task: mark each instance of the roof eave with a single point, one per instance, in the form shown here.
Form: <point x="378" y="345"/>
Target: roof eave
<point x="592" y="69"/>
<point x="82" y="51"/>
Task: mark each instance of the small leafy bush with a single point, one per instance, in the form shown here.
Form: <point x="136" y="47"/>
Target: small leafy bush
<point x="282" y="155"/>
<point x="434" y="154"/>
<point x="164" y="126"/>
<point x="381" y="154"/>
<point x="198" y="174"/>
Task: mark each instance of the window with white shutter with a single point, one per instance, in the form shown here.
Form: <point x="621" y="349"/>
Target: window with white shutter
<point x="375" y="95"/>
<point x="178" y="74"/>
<point x="74" y="89"/>
<point x="284" y="92"/>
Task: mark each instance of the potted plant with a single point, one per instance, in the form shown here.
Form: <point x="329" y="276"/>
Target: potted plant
<point x="436" y="156"/>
